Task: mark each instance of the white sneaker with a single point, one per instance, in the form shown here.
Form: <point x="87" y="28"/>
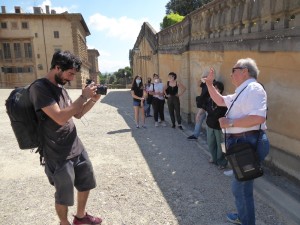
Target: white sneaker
<point x="163" y="123"/>
<point x="228" y="173"/>
<point x="156" y="124"/>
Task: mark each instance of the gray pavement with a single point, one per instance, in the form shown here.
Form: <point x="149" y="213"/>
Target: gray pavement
<point x="145" y="176"/>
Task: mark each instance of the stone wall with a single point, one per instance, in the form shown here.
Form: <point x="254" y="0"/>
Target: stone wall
<point x="217" y="35"/>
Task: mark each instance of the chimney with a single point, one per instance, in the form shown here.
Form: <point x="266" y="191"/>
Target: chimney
<point x="37" y="10"/>
<point x="3" y="9"/>
<point x="53" y="11"/>
<point x="17" y="9"/>
<point x="47" y="9"/>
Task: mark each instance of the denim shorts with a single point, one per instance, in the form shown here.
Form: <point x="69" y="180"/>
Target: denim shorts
<point x="67" y="174"/>
<point x="136" y="103"/>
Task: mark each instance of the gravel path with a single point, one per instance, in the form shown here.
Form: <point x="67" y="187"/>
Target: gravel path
<point x="145" y="176"/>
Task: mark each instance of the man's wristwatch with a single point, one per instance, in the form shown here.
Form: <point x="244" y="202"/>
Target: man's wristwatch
<point x="230" y="123"/>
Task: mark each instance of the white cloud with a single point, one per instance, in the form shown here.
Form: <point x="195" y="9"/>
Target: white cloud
<point x="111" y="66"/>
<point x="57" y="9"/>
<point x="123" y="28"/>
<point x="104" y="53"/>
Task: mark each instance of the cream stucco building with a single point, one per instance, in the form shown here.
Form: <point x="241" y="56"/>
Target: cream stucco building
<point x="28" y="41"/>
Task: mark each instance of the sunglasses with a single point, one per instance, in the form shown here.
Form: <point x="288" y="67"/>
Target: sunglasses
<point x="237" y="68"/>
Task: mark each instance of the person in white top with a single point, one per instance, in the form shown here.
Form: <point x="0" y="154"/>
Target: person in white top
<point x="245" y="121"/>
<point x="158" y="101"/>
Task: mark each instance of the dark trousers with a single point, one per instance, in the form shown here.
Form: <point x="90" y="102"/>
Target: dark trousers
<point x="174" y="106"/>
<point x="158" y="108"/>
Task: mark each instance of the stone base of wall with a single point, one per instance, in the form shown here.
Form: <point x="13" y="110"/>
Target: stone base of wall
<point x="287" y="164"/>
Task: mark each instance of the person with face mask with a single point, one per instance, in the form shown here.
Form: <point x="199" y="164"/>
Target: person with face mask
<point x="139" y="95"/>
<point x="149" y="99"/>
<point x="172" y="93"/>
<point x="158" y="102"/>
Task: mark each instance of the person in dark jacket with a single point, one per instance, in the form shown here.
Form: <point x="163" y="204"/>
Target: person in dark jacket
<point x="214" y="132"/>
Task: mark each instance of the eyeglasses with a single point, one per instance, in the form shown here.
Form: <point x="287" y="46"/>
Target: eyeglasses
<point x="237" y="68"/>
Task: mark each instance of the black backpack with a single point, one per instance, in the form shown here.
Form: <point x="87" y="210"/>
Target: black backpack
<point x="24" y="119"/>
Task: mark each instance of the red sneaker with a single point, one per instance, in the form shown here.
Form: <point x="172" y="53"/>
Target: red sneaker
<point x="87" y="220"/>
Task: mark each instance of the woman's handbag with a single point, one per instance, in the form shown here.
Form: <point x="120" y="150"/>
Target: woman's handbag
<point x="149" y="99"/>
<point x="244" y="161"/>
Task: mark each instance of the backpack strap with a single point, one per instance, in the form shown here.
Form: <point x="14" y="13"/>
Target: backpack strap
<point x="41" y="118"/>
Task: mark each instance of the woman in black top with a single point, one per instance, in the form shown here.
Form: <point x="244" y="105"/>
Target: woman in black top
<point x="171" y="92"/>
<point x="138" y="94"/>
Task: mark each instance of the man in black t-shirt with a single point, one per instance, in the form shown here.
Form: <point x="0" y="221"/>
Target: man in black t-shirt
<point x="66" y="161"/>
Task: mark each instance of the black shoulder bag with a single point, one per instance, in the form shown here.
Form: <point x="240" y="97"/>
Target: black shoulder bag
<point x="150" y="97"/>
<point x="243" y="157"/>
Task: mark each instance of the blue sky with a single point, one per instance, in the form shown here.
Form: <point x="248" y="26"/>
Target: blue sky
<point x="114" y="24"/>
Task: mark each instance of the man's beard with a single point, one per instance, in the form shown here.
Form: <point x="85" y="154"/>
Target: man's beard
<point x="59" y="80"/>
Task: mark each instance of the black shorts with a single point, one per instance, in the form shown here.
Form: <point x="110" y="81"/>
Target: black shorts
<point x="65" y="175"/>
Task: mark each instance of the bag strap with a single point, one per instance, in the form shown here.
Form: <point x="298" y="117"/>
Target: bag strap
<point x="228" y="112"/>
<point x="234" y="101"/>
<point x="259" y="131"/>
<point x="42" y="117"/>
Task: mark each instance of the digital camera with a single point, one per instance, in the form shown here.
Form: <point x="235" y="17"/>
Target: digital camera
<point x="101" y="89"/>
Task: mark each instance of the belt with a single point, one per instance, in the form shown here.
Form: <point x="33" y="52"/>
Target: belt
<point x="250" y="132"/>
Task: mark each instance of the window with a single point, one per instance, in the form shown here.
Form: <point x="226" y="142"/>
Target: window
<point x="14" y="25"/>
<point x="3" y="25"/>
<point x="28" y="50"/>
<point x="36" y="35"/>
<point x="56" y="34"/>
<point x="17" y="50"/>
<point x="24" y="25"/>
<point x="28" y="69"/>
<point x="6" y="51"/>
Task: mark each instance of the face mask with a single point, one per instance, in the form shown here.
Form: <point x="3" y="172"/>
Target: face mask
<point x="156" y="80"/>
<point x="138" y="82"/>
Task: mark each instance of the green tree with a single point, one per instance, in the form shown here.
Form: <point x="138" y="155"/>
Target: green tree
<point x="121" y="78"/>
<point x="171" y="19"/>
<point x="111" y="79"/>
<point x="102" y="78"/>
<point x="184" y="7"/>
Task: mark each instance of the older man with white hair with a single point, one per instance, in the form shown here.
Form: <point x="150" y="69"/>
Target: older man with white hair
<point x="245" y="121"/>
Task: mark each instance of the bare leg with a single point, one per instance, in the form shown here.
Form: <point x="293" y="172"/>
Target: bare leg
<point x="82" y="197"/>
<point x="62" y="213"/>
<point x="143" y="115"/>
<point x="136" y="114"/>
